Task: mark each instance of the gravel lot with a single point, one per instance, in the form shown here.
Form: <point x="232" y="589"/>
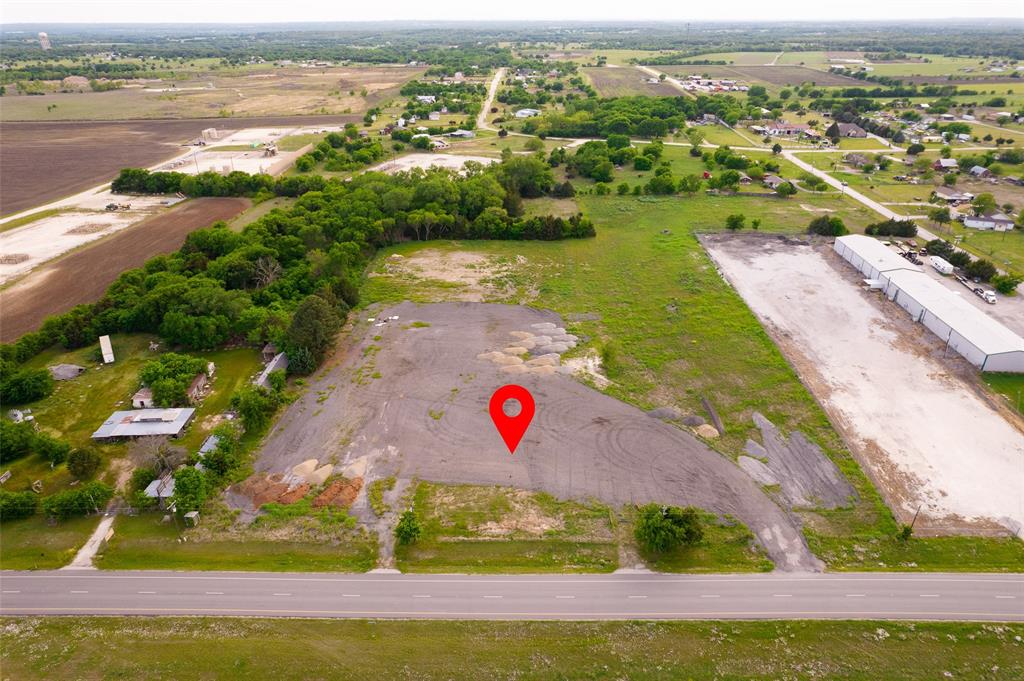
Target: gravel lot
<point x="920" y="423"/>
<point x="414" y="404"/>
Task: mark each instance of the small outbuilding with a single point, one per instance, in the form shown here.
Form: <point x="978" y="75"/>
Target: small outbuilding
<point x="106" y="350"/>
<point x="143" y="399"/>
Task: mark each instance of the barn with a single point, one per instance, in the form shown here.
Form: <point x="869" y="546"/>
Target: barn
<point x="979" y="338"/>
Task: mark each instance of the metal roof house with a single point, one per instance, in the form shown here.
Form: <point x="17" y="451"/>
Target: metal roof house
<point x="144" y="423"/>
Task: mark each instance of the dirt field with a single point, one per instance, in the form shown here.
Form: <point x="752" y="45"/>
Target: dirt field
<point x="244" y="91"/>
<point x="919" y="423"/>
<point x="626" y="81"/>
<point x="43" y="161"/>
<point x="410" y="399"/>
<point x="84" y="275"/>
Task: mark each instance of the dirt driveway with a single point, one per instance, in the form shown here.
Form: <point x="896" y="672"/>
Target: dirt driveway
<point x="411" y="396"/>
<point x="918" y="422"/>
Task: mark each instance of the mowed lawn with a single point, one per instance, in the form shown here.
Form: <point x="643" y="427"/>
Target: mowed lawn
<point x="175" y="648"/>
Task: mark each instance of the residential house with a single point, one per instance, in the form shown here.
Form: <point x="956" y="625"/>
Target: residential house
<point x="465" y="134"/>
<point x="744" y="178"/>
<point x="434" y="115"/>
<point x="856" y="160"/>
<point x="773" y="181"/>
<point x="980" y="171"/>
<point x="784" y="129"/>
<point x="994" y="221"/>
<point x="838" y="129"/>
<point x="951" y="195"/>
<point x="946" y="165"/>
<point x="426" y="99"/>
<point x="527" y="113"/>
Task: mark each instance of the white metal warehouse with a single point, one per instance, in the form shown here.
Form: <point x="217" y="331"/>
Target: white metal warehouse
<point x="978" y="337"/>
<point x="871" y="256"/>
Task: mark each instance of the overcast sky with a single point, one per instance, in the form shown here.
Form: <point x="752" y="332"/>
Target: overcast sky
<point x="250" y="11"/>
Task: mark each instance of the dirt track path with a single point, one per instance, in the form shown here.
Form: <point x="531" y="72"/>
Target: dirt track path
<point x="425" y="416"/>
<point x="492" y="92"/>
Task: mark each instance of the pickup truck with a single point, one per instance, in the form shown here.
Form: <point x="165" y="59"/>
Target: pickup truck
<point x="982" y="293"/>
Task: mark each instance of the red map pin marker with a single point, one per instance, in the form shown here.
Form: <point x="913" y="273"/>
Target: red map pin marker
<point x="512" y="428"/>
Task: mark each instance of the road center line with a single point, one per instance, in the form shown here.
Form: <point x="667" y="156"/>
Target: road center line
<point x="10" y="591"/>
<point x="282" y="594"/>
<point x="350" y="595"/>
<point x="78" y="592"/>
<point x="493" y="596"/>
<point x="421" y="595"/>
<point x="1006" y="597"/>
<point x="146" y="592"/>
<point x="214" y="593"/>
<point x="565" y="597"/>
<point x="855" y="595"/>
<point x="709" y="596"/>
<point x="637" y="596"/>
<point x="782" y="595"/>
<point x="928" y="595"/>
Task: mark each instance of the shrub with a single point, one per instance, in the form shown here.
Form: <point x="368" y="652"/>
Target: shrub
<point x="14" y="505"/>
<point x="78" y="501"/>
<point x="25" y="385"/>
<point x="981" y="269"/>
<point x="643" y="162"/>
<point x="50" y="448"/>
<point x="408" y="529"/>
<point x="83" y="463"/>
<point x="1006" y="283"/>
<point x="664" y="528"/>
<point x="826" y="225"/>
<point x="891" y="227"/>
<point x="735" y="221"/>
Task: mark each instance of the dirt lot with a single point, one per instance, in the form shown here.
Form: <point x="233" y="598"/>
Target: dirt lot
<point x="243" y="91"/>
<point x="43" y="161"/>
<point x="410" y="399"/>
<point x="84" y="275"/>
<point x="920" y="423"/>
<point x="626" y="81"/>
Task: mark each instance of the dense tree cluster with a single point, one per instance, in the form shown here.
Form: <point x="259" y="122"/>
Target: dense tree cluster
<point x="18" y="440"/>
<point x="224" y="285"/>
<point x="169" y="377"/>
<point x="660" y="528"/>
<point x="347" y="150"/>
<point x="891" y="227"/>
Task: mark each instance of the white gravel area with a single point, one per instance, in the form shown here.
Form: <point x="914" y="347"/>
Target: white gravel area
<point x="452" y="161"/>
<point x="929" y="439"/>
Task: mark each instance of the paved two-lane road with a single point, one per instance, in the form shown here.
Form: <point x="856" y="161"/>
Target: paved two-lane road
<point x="571" y="597"/>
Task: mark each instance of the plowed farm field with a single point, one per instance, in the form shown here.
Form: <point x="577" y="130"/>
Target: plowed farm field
<point x="44" y="161"/>
<point x="84" y="275"/>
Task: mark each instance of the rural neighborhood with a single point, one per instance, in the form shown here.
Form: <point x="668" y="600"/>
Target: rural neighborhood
<point x="423" y="345"/>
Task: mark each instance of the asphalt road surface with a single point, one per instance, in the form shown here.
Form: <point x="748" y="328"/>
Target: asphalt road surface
<point x="617" y="596"/>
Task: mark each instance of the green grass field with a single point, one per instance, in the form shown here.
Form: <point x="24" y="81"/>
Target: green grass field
<point x="29" y="219"/>
<point x="501" y="530"/>
<point x="177" y="648"/>
<point x="33" y="544"/>
<point x="144" y="542"/>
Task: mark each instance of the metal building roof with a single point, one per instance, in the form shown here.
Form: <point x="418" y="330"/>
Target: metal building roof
<point x="980" y="329"/>
<point x="883" y="258"/>
<point x="142" y="422"/>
